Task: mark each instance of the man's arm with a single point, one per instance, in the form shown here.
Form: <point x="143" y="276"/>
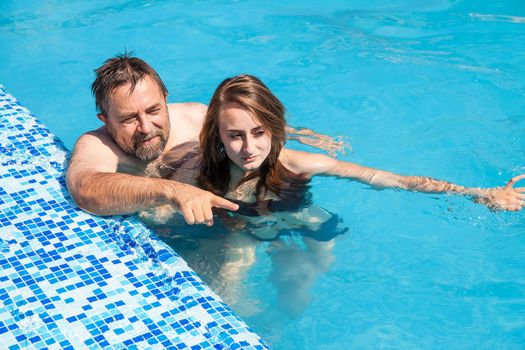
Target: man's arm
<point x="97" y="188"/>
<point x="324" y="142"/>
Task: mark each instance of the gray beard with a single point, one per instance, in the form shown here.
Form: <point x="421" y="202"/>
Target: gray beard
<point x="148" y="153"/>
<point x="137" y="150"/>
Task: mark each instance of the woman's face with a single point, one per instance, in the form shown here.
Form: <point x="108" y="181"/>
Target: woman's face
<point x="246" y="141"/>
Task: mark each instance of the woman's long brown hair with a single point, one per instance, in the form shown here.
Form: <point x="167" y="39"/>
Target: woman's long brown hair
<point x="250" y="93"/>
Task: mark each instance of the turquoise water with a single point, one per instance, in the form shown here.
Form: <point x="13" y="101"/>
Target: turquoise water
<point x="432" y="89"/>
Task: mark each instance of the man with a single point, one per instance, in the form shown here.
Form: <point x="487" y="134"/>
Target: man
<point x="106" y="174"/>
<point x="107" y="170"/>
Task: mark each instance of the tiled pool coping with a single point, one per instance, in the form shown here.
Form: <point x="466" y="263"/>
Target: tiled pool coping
<point x="72" y="280"/>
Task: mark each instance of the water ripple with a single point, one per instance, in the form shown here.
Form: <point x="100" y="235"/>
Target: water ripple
<point x="498" y="18"/>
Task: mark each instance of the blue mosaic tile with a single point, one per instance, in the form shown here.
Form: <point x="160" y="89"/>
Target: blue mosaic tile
<point x="70" y="280"/>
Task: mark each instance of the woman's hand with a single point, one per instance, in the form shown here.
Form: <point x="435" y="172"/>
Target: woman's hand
<point x="505" y="198"/>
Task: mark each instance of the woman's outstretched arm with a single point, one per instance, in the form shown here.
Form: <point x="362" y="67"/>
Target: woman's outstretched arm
<point x="507" y="197"/>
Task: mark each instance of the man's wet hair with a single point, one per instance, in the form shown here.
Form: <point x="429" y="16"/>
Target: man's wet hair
<point x="117" y="71"/>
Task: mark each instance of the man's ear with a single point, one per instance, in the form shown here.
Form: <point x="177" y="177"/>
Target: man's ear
<point x="102" y="118"/>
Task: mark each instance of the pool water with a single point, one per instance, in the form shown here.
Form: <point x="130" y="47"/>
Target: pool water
<point x="431" y="88"/>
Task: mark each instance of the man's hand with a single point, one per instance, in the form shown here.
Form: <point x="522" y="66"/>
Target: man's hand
<point x="196" y="204"/>
<point x="505" y="198"/>
<point x="332" y="145"/>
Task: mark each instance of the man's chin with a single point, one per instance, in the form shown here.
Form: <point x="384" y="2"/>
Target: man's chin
<point x="148" y="156"/>
<point x="149" y="153"/>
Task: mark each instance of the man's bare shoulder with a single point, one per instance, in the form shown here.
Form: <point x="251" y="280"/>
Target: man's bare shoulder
<point x="186" y="119"/>
<point x="188" y="112"/>
<point x="95" y="150"/>
<point x="98" y="139"/>
<point x="97" y="135"/>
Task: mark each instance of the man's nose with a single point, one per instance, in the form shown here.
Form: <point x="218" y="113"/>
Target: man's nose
<point x="145" y="126"/>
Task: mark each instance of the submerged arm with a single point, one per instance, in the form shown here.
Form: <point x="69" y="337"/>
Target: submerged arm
<point x="507" y="197"/>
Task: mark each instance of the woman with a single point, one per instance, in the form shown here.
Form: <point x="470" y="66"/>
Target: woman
<point x="242" y="158"/>
<point x="242" y="143"/>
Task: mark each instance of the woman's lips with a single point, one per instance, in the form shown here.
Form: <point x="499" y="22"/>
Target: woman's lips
<point x="249" y="159"/>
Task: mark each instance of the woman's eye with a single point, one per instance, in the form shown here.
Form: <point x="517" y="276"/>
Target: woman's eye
<point x="235" y="136"/>
<point x="259" y="133"/>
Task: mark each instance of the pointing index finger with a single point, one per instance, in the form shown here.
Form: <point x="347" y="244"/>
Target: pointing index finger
<point x="219" y="202"/>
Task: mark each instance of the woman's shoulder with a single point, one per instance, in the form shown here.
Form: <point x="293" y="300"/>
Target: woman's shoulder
<point x="305" y="163"/>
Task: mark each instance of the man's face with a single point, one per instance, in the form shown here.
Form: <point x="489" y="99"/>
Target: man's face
<point x="139" y="122"/>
